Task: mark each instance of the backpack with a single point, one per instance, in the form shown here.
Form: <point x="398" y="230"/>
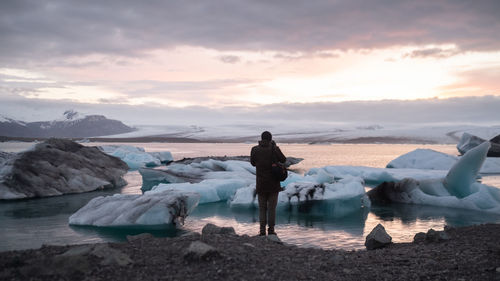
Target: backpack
<point x="278" y="170"/>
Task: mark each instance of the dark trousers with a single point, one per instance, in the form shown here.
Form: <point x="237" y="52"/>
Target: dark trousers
<point x="267" y="209"/>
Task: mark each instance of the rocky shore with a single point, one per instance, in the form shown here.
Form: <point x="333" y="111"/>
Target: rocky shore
<point x="467" y="253"/>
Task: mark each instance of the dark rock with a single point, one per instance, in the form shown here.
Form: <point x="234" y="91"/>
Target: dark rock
<point x="378" y="238"/>
<point x="191" y="234"/>
<point x="59" y="166"/>
<point x="432" y="236"/>
<point x="274" y="238"/>
<point x="436" y="236"/>
<point x="419" y="237"/>
<point x="388" y="192"/>
<point x="213" y="229"/>
<point x="198" y="250"/>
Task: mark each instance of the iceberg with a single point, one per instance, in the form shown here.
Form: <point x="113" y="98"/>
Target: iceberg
<point x="165" y="157"/>
<point x="335" y="199"/>
<point x="434" y="160"/>
<point x="463" y="174"/>
<point x="374" y="176"/>
<point x="195" y="172"/>
<point x="458" y="189"/>
<point x="169" y="207"/>
<point x="56" y="167"/>
<point x="210" y="190"/>
<point x="469" y="141"/>
<point x="137" y="157"/>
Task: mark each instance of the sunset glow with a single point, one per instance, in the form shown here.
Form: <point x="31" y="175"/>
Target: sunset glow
<point x="244" y="62"/>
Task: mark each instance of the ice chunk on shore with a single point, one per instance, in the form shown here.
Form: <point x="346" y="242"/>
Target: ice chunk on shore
<point x="434" y="160"/>
<point x="125" y="210"/>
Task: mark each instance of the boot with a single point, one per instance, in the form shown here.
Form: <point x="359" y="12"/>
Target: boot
<point x="262" y="231"/>
<point x="270" y="231"/>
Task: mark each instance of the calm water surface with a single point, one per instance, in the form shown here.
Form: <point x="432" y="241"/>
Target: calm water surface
<point x="32" y="223"/>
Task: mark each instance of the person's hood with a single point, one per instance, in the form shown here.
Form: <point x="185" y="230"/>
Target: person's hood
<point x="264" y="143"/>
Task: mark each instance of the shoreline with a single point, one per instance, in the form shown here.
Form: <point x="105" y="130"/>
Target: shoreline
<point x="470" y="253"/>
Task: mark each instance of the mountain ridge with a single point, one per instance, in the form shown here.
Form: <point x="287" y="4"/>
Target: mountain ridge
<point x="72" y="125"/>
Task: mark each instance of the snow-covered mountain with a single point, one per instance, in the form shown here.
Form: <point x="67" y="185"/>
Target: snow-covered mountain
<point x="71" y="124"/>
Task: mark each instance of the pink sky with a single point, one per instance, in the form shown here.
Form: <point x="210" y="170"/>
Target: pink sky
<point x="243" y="53"/>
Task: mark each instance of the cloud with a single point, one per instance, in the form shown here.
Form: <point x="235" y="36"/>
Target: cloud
<point x="467" y="110"/>
<point x="476" y="81"/>
<point x="433" y="53"/>
<point x="39" y="30"/>
<point x="229" y="59"/>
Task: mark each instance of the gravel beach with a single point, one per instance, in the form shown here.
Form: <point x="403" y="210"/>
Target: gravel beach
<point x="468" y="253"/>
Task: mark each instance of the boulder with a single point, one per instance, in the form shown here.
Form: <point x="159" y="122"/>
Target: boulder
<point x="436" y="236"/>
<point x="378" y="238"/>
<point x="213" y="229"/>
<point x="274" y="238"/>
<point x="419" y="237"/>
<point x="198" y="250"/>
<point x="57" y="167"/>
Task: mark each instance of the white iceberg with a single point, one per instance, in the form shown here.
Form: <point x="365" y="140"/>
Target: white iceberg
<point x="376" y="176"/>
<point x="137" y="157"/>
<point x="434" y="160"/>
<point x="195" y="172"/>
<point x="458" y="189"/>
<point x="213" y="180"/>
<point x="468" y="142"/>
<point x="124" y="210"/>
<point x="210" y="190"/>
<point x="322" y="199"/>
<point x="164" y="156"/>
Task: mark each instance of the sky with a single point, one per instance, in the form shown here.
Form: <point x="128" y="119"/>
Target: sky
<point x="238" y="60"/>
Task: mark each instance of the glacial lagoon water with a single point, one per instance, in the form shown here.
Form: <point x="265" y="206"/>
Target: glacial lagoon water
<point x="32" y="223"/>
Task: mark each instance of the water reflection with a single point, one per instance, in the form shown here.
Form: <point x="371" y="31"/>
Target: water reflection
<point x="117" y="234"/>
<point x="409" y="214"/>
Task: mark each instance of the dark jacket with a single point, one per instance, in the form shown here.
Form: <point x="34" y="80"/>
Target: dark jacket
<point x="261" y="158"/>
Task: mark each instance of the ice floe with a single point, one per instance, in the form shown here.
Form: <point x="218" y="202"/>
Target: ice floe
<point x="434" y="160"/>
<point x="374" y="176"/>
<point x="210" y="190"/>
<point x="137" y="157"/>
<point x="194" y="172"/>
<point x="458" y="189"/>
<point x="125" y="210"/>
<point x="334" y="199"/>
<point x="469" y="141"/>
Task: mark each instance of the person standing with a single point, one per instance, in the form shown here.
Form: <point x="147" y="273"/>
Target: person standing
<point x="267" y="186"/>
